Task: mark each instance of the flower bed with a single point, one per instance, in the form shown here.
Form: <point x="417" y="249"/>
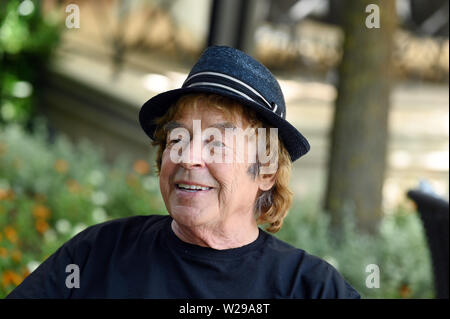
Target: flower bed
<point x="50" y="192"/>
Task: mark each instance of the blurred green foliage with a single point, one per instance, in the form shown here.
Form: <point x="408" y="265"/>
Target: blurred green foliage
<point x="51" y="191"/>
<point x="27" y="40"/>
<point x="399" y="250"/>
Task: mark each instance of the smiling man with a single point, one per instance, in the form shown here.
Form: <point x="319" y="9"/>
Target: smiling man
<point x="225" y="152"/>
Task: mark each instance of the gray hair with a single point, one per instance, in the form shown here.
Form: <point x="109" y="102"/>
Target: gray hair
<point x="265" y="199"/>
<point x="263" y="202"/>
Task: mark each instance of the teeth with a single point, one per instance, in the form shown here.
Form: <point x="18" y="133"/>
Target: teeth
<point x="193" y="187"/>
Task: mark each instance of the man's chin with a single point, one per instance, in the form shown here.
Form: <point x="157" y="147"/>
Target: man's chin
<point x="188" y="216"/>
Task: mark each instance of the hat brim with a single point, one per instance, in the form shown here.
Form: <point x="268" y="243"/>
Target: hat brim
<point x="296" y="144"/>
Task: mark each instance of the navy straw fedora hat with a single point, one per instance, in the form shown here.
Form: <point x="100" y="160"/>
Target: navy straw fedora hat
<point x="232" y="73"/>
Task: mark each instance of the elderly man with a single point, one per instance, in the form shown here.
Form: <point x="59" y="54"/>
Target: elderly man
<point x="224" y="158"/>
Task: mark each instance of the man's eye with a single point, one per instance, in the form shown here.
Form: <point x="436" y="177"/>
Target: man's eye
<point x="174" y="141"/>
<point x="218" y="144"/>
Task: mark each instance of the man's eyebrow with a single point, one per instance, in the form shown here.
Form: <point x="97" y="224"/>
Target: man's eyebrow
<point x="172" y="125"/>
<point x="224" y="125"/>
<point x="169" y="126"/>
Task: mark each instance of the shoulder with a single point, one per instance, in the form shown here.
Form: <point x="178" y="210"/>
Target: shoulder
<point x="92" y="250"/>
<point x="132" y="223"/>
<point x="286" y="255"/>
<point x="111" y="232"/>
<point x="312" y="276"/>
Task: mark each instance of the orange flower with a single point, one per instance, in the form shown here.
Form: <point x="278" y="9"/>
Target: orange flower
<point x="16" y="279"/>
<point x="73" y="186"/>
<point x="6" y="278"/>
<point x="10" y="277"/>
<point x="41" y="211"/>
<point x="3" y="193"/>
<point x="16" y="256"/>
<point x="25" y="272"/>
<point x="11" y="234"/>
<point x="41" y="225"/>
<point x="3" y="252"/>
<point x="6" y="194"/>
<point x="141" y="167"/>
<point x="61" y="166"/>
<point x="405" y="291"/>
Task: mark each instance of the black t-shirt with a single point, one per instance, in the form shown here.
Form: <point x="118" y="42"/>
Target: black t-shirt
<point x="141" y="257"/>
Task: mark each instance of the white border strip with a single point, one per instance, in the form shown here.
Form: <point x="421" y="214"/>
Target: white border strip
<point x="232" y="79"/>
<point x="222" y="86"/>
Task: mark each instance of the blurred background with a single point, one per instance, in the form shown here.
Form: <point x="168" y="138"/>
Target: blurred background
<point x="370" y="94"/>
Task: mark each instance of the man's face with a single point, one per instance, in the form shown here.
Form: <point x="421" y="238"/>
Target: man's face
<point x="231" y="189"/>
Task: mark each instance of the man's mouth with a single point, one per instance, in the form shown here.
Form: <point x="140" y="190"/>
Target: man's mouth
<point x="192" y="188"/>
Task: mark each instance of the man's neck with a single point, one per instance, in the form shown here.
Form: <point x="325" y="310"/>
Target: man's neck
<point x="217" y="237"/>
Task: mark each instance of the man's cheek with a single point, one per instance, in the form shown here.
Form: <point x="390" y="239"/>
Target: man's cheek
<point x="164" y="183"/>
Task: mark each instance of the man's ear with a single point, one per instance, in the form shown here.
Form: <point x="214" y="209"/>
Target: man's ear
<point x="266" y="181"/>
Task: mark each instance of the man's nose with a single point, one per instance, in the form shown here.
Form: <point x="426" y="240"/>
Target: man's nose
<point x="195" y="158"/>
